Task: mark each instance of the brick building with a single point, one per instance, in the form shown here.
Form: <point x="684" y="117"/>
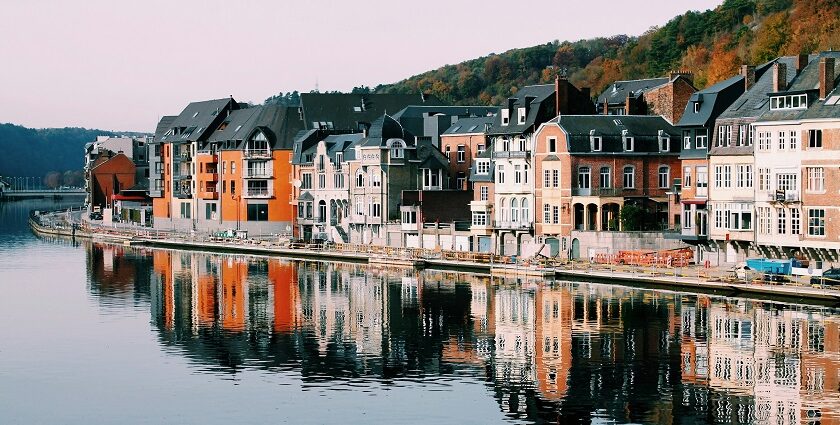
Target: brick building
<point x="462" y="143"/>
<point x="108" y="175"/>
<point x="664" y="96"/>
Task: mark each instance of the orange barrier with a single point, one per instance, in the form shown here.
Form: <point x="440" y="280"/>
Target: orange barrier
<point x="670" y="258"/>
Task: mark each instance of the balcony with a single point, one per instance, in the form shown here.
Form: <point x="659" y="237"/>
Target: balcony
<point x="262" y="192"/>
<point x="183" y="193"/>
<point x="783" y="196"/>
<point x="257" y="153"/>
<point x="513" y="154"/>
<point x="258" y="173"/>
<point x="510" y="225"/>
<point x="597" y="191"/>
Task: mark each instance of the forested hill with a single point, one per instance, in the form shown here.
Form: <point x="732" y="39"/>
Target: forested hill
<point x="712" y="44"/>
<point x="36" y="152"/>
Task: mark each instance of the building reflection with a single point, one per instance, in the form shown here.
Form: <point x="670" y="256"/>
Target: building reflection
<point x="548" y="351"/>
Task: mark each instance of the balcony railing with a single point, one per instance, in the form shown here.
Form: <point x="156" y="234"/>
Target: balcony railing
<point x="511" y="225"/>
<point x="783" y="196"/>
<point x="257" y="193"/>
<point x="257" y="153"/>
<point x="257" y="173"/>
<point x="596" y="191"/>
<point x="513" y="154"/>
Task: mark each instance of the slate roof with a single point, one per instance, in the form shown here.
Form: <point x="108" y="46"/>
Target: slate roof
<point x="164" y="125"/>
<point x="278" y="123"/>
<point x="807" y="81"/>
<point x="754" y="101"/>
<point x="644" y="129"/>
<point x="469" y="126"/>
<point x="419" y="111"/>
<point x="713" y="101"/>
<point x="334" y="143"/>
<point x="617" y="92"/>
<point x="385" y="128"/>
<point x="346" y="111"/>
<point x="541" y="95"/>
<point x="199" y="119"/>
<point x="489" y="177"/>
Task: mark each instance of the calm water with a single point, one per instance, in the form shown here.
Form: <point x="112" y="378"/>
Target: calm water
<point x="97" y="333"/>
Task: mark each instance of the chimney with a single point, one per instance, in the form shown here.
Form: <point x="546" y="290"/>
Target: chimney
<point x="606" y="110"/>
<point x="779" y="77"/>
<point x="561" y="96"/>
<point x="801" y="63"/>
<point x="748" y="72"/>
<point x="628" y="110"/>
<point x="826" y="76"/>
<point x="688" y="75"/>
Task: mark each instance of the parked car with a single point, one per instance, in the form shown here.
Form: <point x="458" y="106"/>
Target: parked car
<point x="829" y="277"/>
<point x="96" y="215"/>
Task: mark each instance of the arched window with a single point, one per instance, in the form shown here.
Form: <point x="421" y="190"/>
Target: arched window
<point x="514" y="210"/>
<point x="360" y="179"/>
<point x="397" y="147"/>
<point x="322" y="211"/>
<point x="664" y="177"/>
<point x="525" y="211"/>
<point x="502" y="210"/>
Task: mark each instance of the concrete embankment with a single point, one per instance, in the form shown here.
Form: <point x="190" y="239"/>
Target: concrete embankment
<point x="668" y="279"/>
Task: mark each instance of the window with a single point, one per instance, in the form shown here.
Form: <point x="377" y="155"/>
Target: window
<point x="794" y="140"/>
<point x="462" y="153"/>
<point x="322" y="181"/>
<point x="764" y="220"/>
<point x="764" y="179"/>
<point x="782" y="140"/>
<point x="686" y="180"/>
<point x="517" y="174"/>
<point x="794" y="101"/>
<point x="338" y="180"/>
<point x="723" y="176"/>
<point x="224" y="167"/>
<point x="605" y="181"/>
<point x="360" y="205"/>
<point x="763" y="140"/>
<point x="360" y="179"/>
<point x="526" y="211"/>
<point x="431" y="179"/>
<point x="375" y="209"/>
<point x="696" y="107"/>
<point x="555" y="178"/>
<point x="815" y="139"/>
<point x="546" y="213"/>
<point x="740" y="217"/>
<point x="555" y="213"/>
<point x="479" y="218"/>
<point x="502" y="210"/>
<point x="521" y="113"/>
<point x="816" y="222"/>
<point x="552" y="145"/>
<point x="547" y="178"/>
<point x="480" y="149"/>
<point x="686" y="139"/>
<point x="595" y="143"/>
<point x="506" y="145"/>
<point x="505" y="116"/>
<point x="301" y="209"/>
<point x="397" y="149"/>
<point x="795" y="222"/>
<point x="339" y="158"/>
<point x="583" y="178"/>
<point x="816" y="179"/>
<point x="321" y="164"/>
<point x="375" y="178"/>
<point x="448" y="153"/>
<point x="687" y="216"/>
<point x="482" y="167"/>
<point x="306" y="182"/>
<point x="702" y="182"/>
<point x="742" y="135"/>
<point x="514" y="210"/>
<point x="500" y="171"/>
<point x="664" y="143"/>
<point x="186" y="211"/>
<point x="629" y="143"/>
<point x="664" y="177"/>
<point x="781" y="221"/>
<point x="461" y="181"/>
<point x="744" y="176"/>
<point x="629" y="177"/>
<point x="484" y="193"/>
<point x="701" y="139"/>
<point x="786" y="181"/>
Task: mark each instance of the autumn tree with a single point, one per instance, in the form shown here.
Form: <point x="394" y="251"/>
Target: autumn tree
<point x="724" y="62"/>
<point x="771" y="37"/>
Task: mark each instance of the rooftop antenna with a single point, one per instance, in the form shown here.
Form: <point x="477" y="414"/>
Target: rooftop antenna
<point x="316" y="84"/>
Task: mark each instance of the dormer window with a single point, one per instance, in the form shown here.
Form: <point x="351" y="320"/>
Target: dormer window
<point x="482" y="167"/>
<point x="696" y="107"/>
<point x="521" y="116"/>
<point x="397" y="149"/>
<point x="664" y="142"/>
<point x="795" y="101"/>
<point x="686" y="139"/>
<point x="505" y="116"/>
<point x="627" y="141"/>
<point x="594" y="141"/>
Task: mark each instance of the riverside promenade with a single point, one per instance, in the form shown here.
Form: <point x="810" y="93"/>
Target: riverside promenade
<point x="692" y="278"/>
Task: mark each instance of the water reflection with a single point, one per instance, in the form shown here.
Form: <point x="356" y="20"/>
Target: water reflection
<point x="547" y="352"/>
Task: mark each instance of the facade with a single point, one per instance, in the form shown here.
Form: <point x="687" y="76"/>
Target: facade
<point x="664" y="96"/>
<point x="432" y="121"/>
<point x="135" y="148"/>
<point x="588" y="167"/>
<point x="698" y="121"/>
<point x="482" y="178"/>
<point x="436" y="219"/>
<point x="461" y="144"/>
<point x="731" y="151"/>
<point x="511" y="137"/>
<point x="109" y="173"/>
<point x="796" y="154"/>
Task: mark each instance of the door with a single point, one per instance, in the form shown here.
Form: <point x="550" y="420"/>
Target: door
<point x="575" y="249"/>
<point x="484" y="244"/>
<point x="553" y="246"/>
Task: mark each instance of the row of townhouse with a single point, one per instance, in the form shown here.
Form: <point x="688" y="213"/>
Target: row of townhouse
<point x="759" y="173"/>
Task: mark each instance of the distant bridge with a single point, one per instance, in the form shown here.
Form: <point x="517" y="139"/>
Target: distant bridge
<point x="42" y="193"/>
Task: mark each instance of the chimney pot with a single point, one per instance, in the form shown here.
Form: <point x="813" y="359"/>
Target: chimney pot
<point x="748" y="71"/>
<point x="801" y="63"/>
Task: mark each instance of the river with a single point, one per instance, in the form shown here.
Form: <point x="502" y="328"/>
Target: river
<point x="102" y="333"/>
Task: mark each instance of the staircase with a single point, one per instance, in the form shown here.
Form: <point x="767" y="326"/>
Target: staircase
<point x="342" y="233"/>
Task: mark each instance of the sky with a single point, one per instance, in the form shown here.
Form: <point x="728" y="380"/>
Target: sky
<point x="121" y="65"/>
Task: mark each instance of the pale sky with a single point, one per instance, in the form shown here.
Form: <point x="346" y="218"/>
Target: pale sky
<point x="120" y="65"/>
